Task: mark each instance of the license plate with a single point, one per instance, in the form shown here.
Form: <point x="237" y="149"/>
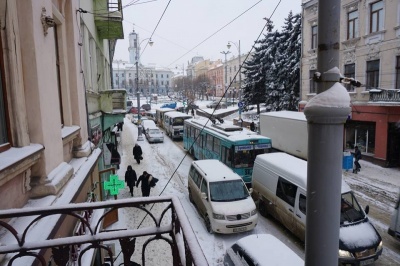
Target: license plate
<point x="240" y="229"/>
<point x="367" y="262"/>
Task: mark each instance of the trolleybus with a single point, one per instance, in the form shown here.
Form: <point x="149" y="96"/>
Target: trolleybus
<point x="235" y="146"/>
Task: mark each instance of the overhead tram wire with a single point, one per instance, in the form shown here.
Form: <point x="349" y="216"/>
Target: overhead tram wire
<point x="241" y="14"/>
<point x="221" y="97"/>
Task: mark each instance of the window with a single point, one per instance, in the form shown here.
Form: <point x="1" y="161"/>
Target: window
<point x="162" y="76"/>
<point x="217" y="145"/>
<point x="204" y="187"/>
<point x="376" y="17"/>
<point x="398" y="72"/>
<point x="313" y="83"/>
<point x="372" y="74"/>
<point x="122" y="74"/>
<point x="286" y="191"/>
<point x="361" y="134"/>
<point x="314" y="37"/>
<point x="350" y="72"/>
<point x="209" y="142"/>
<point x="302" y="203"/>
<point x="352" y="24"/>
<point x="130" y="74"/>
<point x="4" y="134"/>
<point x="167" y="76"/>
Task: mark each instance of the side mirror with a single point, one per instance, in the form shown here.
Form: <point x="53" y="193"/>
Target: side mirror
<point x="203" y="196"/>
<point x="366" y="209"/>
<point x="250" y="190"/>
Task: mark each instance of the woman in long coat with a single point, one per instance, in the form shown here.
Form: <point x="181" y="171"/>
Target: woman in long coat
<point x="130" y="178"/>
<point x="137" y="153"/>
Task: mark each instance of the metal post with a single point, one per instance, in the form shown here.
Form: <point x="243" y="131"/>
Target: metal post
<point x="240" y="85"/>
<point x="326" y="114"/>
<point x="226" y="74"/>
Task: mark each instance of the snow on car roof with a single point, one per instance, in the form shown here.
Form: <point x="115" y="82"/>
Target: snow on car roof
<point x="215" y="170"/>
<point x="265" y="249"/>
<point x="291" y="166"/>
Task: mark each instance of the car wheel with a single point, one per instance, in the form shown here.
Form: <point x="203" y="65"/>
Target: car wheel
<point x="262" y="209"/>
<point x="191" y="197"/>
<point x="208" y="224"/>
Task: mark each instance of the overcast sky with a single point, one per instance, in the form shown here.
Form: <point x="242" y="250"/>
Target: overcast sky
<point x="191" y="28"/>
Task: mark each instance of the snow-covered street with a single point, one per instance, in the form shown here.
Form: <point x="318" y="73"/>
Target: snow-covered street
<point x="167" y="162"/>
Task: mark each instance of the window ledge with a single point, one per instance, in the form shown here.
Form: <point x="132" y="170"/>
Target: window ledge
<point x="311" y="94"/>
<point x="69" y="133"/>
<point x="16" y="160"/>
<point x="374" y="33"/>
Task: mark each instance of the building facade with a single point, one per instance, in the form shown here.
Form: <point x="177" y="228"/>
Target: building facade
<point x="54" y="66"/>
<point x="370" y="53"/>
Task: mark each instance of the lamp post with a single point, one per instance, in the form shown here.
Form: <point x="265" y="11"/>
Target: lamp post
<point x="140" y="137"/>
<point x="226" y="74"/>
<point x="240" y="77"/>
<point x="183" y="79"/>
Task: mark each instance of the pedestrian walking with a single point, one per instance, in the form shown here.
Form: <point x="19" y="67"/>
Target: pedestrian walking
<point x="137" y="153"/>
<point x="252" y="126"/>
<point x="145" y="179"/>
<point x="192" y="112"/>
<point x="357" y="157"/>
<point x="130" y="178"/>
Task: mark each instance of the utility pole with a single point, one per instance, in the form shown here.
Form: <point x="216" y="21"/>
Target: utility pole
<point x="240" y="77"/>
<point x="326" y="114"/>
<point x="226" y="75"/>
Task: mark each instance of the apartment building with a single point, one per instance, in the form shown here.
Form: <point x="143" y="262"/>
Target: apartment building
<point x="54" y="83"/>
<point x="370" y="53"/>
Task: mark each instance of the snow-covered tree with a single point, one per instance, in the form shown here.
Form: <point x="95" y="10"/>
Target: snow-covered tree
<point x="272" y="75"/>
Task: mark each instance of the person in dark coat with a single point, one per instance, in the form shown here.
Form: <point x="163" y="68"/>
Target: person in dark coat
<point x="130" y="178"/>
<point x="137" y="153"/>
<point x="145" y="179"/>
<point x="252" y="126"/>
<point x="357" y="157"/>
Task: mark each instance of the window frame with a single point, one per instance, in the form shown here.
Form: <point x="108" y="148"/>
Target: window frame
<point x="313" y="83"/>
<point x="352" y="25"/>
<point x="379" y="14"/>
<point x="372" y="76"/>
<point x="397" y="72"/>
<point x="314" y="37"/>
<point x="5" y="143"/>
<point x="349" y="73"/>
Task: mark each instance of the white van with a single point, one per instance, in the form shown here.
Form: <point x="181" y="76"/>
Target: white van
<point x="221" y="197"/>
<point x="279" y="185"/>
<point x="154" y="134"/>
<point x="394" y="228"/>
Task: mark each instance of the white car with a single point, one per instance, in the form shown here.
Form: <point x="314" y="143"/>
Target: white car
<point x="135" y="118"/>
<point x="261" y="249"/>
<point x="154" y="134"/>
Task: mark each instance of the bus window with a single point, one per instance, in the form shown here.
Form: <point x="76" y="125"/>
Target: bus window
<point x="209" y="142"/>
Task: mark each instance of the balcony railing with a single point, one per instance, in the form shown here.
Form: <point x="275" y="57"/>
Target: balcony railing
<point x="379" y="95"/>
<point x="170" y="225"/>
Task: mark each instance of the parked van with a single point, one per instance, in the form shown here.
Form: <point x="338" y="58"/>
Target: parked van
<point x="394" y="228"/>
<point x="154" y="134"/>
<point x="221" y="197"/>
<point x="279" y="183"/>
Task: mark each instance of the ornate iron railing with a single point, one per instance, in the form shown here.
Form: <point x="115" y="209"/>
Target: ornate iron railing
<point x="378" y="95"/>
<point x="171" y="226"/>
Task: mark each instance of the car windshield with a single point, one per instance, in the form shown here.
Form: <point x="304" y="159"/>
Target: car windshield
<point x="228" y="190"/>
<point x="350" y="211"/>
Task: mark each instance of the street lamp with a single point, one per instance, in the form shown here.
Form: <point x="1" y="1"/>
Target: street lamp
<point x="240" y="78"/>
<point x="183" y="79"/>
<point x="140" y="137"/>
<point x="226" y="74"/>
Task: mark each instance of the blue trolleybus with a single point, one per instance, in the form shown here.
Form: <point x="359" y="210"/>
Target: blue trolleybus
<point x="235" y="146"/>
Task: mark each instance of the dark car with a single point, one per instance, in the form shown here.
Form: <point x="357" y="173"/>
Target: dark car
<point x="146" y="107"/>
<point x="217" y="105"/>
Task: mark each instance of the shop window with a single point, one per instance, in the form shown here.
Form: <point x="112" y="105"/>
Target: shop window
<point x="362" y="135"/>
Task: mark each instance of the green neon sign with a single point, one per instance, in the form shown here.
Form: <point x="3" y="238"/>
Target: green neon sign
<point x="114" y="185"/>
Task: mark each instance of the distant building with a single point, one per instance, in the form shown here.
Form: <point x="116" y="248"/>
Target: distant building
<point x="370" y="53"/>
